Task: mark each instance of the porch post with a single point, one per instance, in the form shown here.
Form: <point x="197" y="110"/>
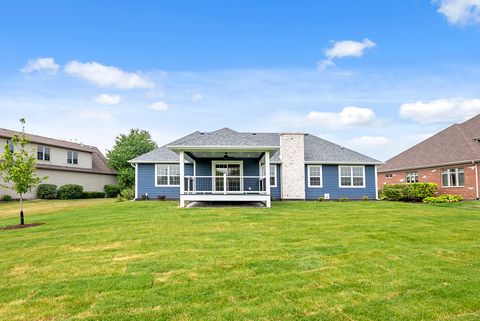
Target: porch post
<point x="182" y="178"/>
<point x="267" y="178"/>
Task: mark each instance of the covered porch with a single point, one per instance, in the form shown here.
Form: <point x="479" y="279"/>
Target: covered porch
<point x="227" y="174"/>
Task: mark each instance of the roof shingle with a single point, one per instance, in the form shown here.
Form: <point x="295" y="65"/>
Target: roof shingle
<point x="316" y="149"/>
<point x="455" y="144"/>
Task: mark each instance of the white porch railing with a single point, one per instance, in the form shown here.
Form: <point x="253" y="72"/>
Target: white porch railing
<point x="227" y="185"/>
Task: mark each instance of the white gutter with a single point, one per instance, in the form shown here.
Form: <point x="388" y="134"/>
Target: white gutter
<point x="224" y="148"/>
<point x="342" y="163"/>
<point x="376" y="184"/>
<point x="429" y="166"/>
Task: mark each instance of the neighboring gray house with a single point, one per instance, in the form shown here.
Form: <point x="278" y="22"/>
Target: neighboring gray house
<point x="226" y="165"/>
<point x="64" y="162"/>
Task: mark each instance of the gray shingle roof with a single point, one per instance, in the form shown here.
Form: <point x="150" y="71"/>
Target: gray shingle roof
<point x="221" y="137"/>
<point x="99" y="162"/>
<point x="316" y="149"/>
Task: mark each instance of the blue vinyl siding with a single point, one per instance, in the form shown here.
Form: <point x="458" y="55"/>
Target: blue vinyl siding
<point x="146" y="182"/>
<point x="250" y="168"/>
<point x="331" y="185"/>
<point x="276" y="192"/>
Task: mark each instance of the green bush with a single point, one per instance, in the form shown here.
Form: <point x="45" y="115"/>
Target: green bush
<point x="93" y="195"/>
<point x="321" y="199"/>
<point x="5" y="198"/>
<point x="414" y="192"/>
<point x="112" y="190"/>
<point x="70" y="192"/>
<point x="343" y="199"/>
<point x="445" y="198"/>
<point x="47" y="191"/>
<point x="365" y="198"/>
<point x="126" y="194"/>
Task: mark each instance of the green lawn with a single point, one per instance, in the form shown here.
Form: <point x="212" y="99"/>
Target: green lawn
<point x="295" y="261"/>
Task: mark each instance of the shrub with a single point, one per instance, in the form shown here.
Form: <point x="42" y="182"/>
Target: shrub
<point x="321" y="199"/>
<point x="5" y="198"/>
<point x="93" y="195"/>
<point x="126" y="194"/>
<point x="365" y="198"/>
<point x="112" y="190"/>
<point x="414" y="192"/>
<point x="445" y="198"/>
<point x="47" y="191"/>
<point x="161" y="197"/>
<point x="70" y="192"/>
<point x="343" y="199"/>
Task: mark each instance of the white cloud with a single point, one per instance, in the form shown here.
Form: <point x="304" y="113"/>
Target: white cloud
<point x="460" y="12"/>
<point x="106" y="99"/>
<point x="440" y="110"/>
<point x="369" y="142"/>
<point x="158" y="106"/>
<point x="345" y="48"/>
<point x="349" y="117"/>
<point x="46" y="65"/>
<point x="107" y="76"/>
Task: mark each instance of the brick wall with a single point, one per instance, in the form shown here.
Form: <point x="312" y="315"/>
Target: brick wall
<point x="434" y="175"/>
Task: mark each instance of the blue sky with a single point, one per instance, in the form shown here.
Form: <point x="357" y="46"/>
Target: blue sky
<point x="375" y="76"/>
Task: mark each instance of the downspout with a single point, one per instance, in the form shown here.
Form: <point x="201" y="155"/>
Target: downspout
<point x="476" y="181"/>
<point x="376" y="183"/>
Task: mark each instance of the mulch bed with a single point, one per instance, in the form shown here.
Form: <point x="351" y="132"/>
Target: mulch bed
<point x="16" y="227"/>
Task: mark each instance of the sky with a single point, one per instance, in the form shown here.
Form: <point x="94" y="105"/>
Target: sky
<point x="375" y="76"/>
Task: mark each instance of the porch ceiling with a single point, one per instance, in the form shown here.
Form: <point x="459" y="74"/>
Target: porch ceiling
<point x="221" y="154"/>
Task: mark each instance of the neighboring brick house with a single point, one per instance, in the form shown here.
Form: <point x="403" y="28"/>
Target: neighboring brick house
<point x="450" y="159"/>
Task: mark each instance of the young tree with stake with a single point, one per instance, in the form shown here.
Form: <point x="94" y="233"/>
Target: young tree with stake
<point x="18" y="167"/>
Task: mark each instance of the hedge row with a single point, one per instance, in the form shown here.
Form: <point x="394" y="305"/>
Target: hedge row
<point x="413" y="192"/>
<point x="65" y="192"/>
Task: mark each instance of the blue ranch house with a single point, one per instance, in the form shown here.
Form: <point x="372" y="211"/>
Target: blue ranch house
<point x="226" y="165"/>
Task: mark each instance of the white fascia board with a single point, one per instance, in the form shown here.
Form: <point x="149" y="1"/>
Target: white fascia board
<point x="219" y="148"/>
<point x="342" y="163"/>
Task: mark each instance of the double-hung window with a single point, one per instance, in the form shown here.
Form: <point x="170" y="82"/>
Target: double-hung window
<point x="352" y="176"/>
<point x="453" y="177"/>
<point x="411" y="177"/>
<point x="72" y="157"/>
<point x="43" y="153"/>
<point x="167" y="175"/>
<point x="315" y="176"/>
<point x="273" y="174"/>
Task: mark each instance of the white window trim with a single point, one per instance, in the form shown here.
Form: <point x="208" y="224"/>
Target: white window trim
<point x="72" y="163"/>
<point x="156" y="175"/>
<point x="410" y="173"/>
<point x="448" y="175"/>
<point x="321" y="176"/>
<point x="214" y="163"/>
<point x="275" y="173"/>
<point x="49" y="153"/>
<point x="351" y="186"/>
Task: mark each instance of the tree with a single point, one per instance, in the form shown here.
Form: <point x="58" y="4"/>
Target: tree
<point x="18" y="168"/>
<point x="137" y="142"/>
